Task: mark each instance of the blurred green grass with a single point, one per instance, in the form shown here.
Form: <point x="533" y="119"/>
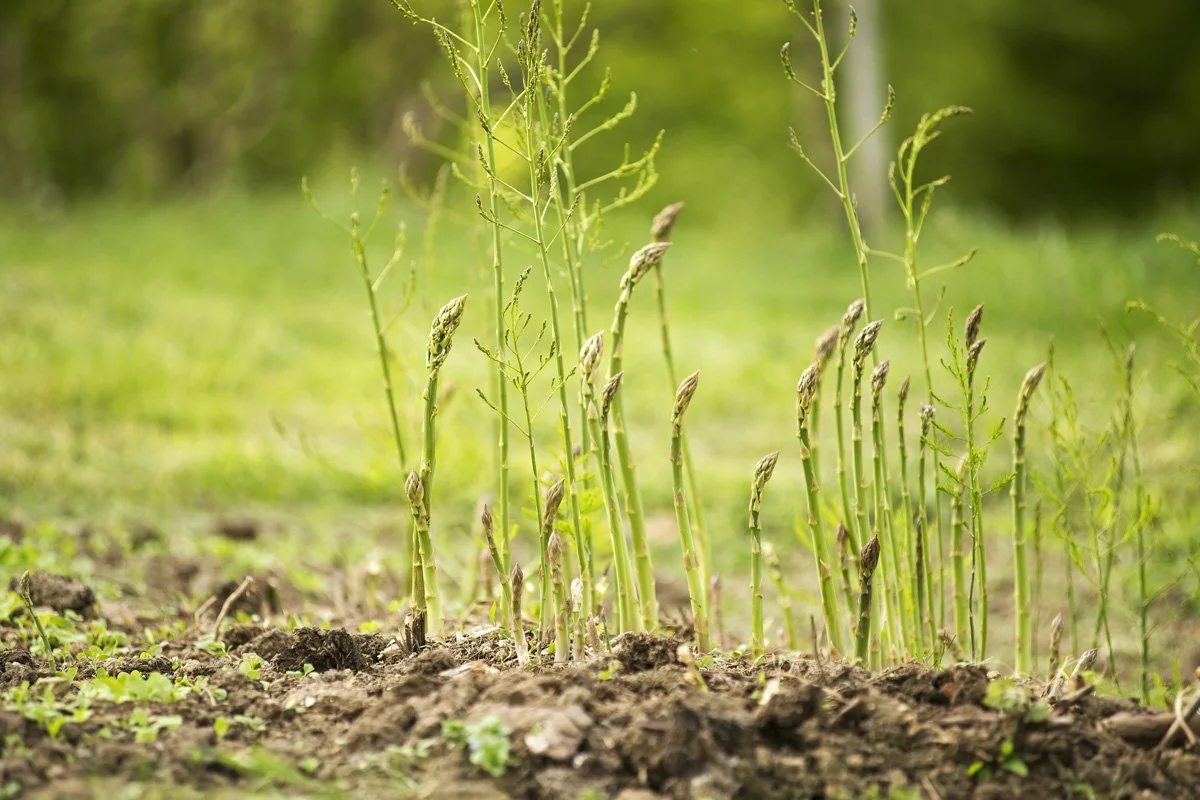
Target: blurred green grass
<point x="207" y="357"/>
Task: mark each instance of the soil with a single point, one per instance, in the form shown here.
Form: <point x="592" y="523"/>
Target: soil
<point x="334" y="713"/>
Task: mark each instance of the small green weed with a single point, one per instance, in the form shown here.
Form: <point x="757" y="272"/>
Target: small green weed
<point x="1004" y="694"/>
<point x="486" y="741"/>
<point x="1007" y="759"/>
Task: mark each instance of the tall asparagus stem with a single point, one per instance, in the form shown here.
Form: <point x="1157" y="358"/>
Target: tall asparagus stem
<point x="915" y="201"/>
<point x="806" y="389"/>
<point x="538" y="154"/>
<point x="1056" y="634"/>
<point x="762" y="473"/>
<point x="913" y="549"/>
<point x="846" y="561"/>
<point x="894" y="580"/>
<point x="473" y="70"/>
<point x="488" y="524"/>
<point x="1139" y="526"/>
<point x="842" y="153"/>
<point x="1021" y="589"/>
<point x="958" y="559"/>
<point x="555" y="552"/>
<point x="640" y="264"/>
<point x="932" y="622"/>
<point x="516" y="587"/>
<point x="441" y="338"/>
<point x="428" y="602"/>
<point x="660" y="231"/>
<point x="979" y="584"/>
<point x="849" y="322"/>
<point x="697" y="589"/>
<point x="863" y="345"/>
<point x="868" y="561"/>
<point x="625" y="591"/>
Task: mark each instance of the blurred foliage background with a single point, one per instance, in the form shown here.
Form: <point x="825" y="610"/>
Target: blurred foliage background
<point x="1083" y="107"/>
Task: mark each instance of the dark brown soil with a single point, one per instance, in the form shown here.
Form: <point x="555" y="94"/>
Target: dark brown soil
<point x="633" y="724"/>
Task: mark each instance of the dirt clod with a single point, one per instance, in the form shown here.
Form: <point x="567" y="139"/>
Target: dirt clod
<point x="324" y="650"/>
<point x="60" y="592"/>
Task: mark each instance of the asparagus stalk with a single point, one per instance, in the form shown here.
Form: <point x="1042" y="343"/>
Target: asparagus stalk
<point x="806" y="389"/>
<point x="866" y="572"/>
<point x="640" y="264"/>
<point x="428" y="603"/>
<point x="516" y="587"/>
<point x="762" y="473"/>
<point x="1021" y="590"/>
<point x="441" y="338"/>
<point x="695" y="579"/>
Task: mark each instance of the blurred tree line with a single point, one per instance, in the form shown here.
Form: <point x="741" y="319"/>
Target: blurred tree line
<point x="1082" y="105"/>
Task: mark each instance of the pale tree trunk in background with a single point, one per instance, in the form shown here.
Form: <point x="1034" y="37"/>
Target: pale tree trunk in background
<point x="863" y="93"/>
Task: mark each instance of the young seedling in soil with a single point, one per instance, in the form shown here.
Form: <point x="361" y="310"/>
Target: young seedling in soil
<point x="27" y="602"/>
<point x="691" y="564"/>
<point x="684" y="655"/>
<point x="762" y="473"/>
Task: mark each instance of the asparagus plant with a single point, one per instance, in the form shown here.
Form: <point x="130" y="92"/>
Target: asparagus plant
<point x="845" y="336"/>
<point x="974" y="346"/>
<point x="516" y="588"/>
<point x="428" y="601"/>
<point x="639" y="265"/>
<point x="691" y="565"/>
<point x="660" y="231"/>
<point x="561" y="605"/>
<point x="864" y="344"/>
<point x="1021" y="589"/>
<point x="867" y="563"/>
<point x="441" y="339"/>
<point x="762" y="473"/>
<point x="893" y="568"/>
<point x="627" y="591"/>
<point x="806" y="389"/>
